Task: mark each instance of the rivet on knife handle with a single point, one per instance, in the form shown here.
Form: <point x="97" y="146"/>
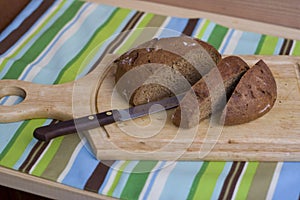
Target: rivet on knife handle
<point x="46" y="133"/>
<point x="49" y="132"/>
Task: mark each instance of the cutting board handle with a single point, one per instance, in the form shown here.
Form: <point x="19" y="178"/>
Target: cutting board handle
<point x="39" y="101"/>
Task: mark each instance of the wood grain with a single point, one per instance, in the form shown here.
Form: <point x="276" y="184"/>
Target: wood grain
<point x="43" y="187"/>
<point x="273" y="137"/>
<point x="62" y="101"/>
<point x="52" y="189"/>
<point x="278" y="12"/>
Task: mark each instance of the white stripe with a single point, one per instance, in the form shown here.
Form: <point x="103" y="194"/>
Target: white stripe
<point x="236" y="188"/>
<point x="161" y="28"/>
<point x="41" y="156"/>
<point x="131" y="31"/>
<point x="10" y="101"/>
<point x="111" y="178"/>
<point x="274" y="181"/>
<point x="71" y="161"/>
<point x="150" y="177"/>
<point x="32" y="30"/>
<point x="293" y="47"/>
<point x="233" y="42"/>
<point x="225" y="39"/>
<point x="200" y="27"/>
<point x="63" y="38"/>
<point x="160" y="181"/>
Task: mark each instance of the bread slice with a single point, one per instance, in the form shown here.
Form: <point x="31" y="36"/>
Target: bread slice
<point x="253" y="97"/>
<point x="210" y="93"/>
<point x="163" y="67"/>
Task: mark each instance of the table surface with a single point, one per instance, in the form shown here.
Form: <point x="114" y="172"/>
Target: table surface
<point x="55" y="190"/>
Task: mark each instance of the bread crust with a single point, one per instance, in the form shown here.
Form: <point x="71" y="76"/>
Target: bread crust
<point x="180" y="54"/>
<point x="253" y="97"/>
<point x="210" y="93"/>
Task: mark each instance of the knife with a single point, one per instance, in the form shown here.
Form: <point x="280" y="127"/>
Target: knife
<point x="48" y="132"/>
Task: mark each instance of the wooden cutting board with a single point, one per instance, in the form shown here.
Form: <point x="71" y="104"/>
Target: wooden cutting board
<point x="273" y="137"/>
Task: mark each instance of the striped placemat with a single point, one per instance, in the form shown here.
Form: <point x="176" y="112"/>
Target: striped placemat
<point x="47" y="43"/>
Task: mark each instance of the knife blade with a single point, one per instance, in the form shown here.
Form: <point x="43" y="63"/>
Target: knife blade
<point x="48" y="132"/>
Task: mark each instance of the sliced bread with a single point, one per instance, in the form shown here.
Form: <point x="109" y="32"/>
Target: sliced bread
<point x="210" y="93"/>
<point x="253" y="97"/>
<point x="163" y="67"/>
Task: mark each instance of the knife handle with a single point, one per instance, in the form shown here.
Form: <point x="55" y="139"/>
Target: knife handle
<point x="48" y="132"/>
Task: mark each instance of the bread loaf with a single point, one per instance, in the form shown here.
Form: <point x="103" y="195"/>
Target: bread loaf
<point x="210" y="92"/>
<point x="253" y="97"/>
<point x="163" y="67"/>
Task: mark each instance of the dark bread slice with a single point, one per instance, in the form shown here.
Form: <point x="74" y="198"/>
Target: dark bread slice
<point x="210" y="93"/>
<point x="253" y="97"/>
<point x="183" y="56"/>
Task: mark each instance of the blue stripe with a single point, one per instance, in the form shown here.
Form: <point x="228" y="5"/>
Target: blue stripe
<point x="228" y="38"/>
<point x="36" y="24"/>
<point x="15" y="100"/>
<point x="25" y="154"/>
<point x="101" y="47"/>
<point x="26" y="12"/>
<point x="33" y="40"/>
<point x="81" y="170"/>
<point x="73" y="46"/>
<point x="7" y="131"/>
<point x="221" y="180"/>
<point x="155" y="173"/>
<point x="195" y="32"/>
<point x="181" y="178"/>
<point x="208" y="31"/>
<point x="288" y="185"/>
<point x="248" y="43"/>
<point x="174" y="27"/>
<point x="278" y="46"/>
<point x="27" y="150"/>
<point x="123" y="179"/>
<point x="60" y="56"/>
<point x="108" y="176"/>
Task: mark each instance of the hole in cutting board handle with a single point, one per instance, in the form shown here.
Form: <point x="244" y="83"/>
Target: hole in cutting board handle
<point x="11" y="95"/>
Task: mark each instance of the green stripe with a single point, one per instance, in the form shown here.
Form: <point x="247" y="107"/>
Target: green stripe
<point x="13" y="139"/>
<point x="137" y="179"/>
<point x="148" y="33"/>
<point x="203" y="29"/>
<point x="208" y="181"/>
<point x="231" y="178"/>
<point x="18" y="142"/>
<point x="104" y="32"/>
<point x="262" y="180"/>
<point x="246" y="181"/>
<point x="41" y="43"/>
<point x="29" y="159"/>
<point x="39" y="29"/>
<point x="196" y="180"/>
<point x="67" y="74"/>
<point x="47" y="157"/>
<point x="135" y="33"/>
<point x="296" y="51"/>
<point x="217" y="36"/>
<point x="16" y="147"/>
<point x="56" y="161"/>
<point x="268" y="46"/>
<point x="260" y="44"/>
<point x="117" y="178"/>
